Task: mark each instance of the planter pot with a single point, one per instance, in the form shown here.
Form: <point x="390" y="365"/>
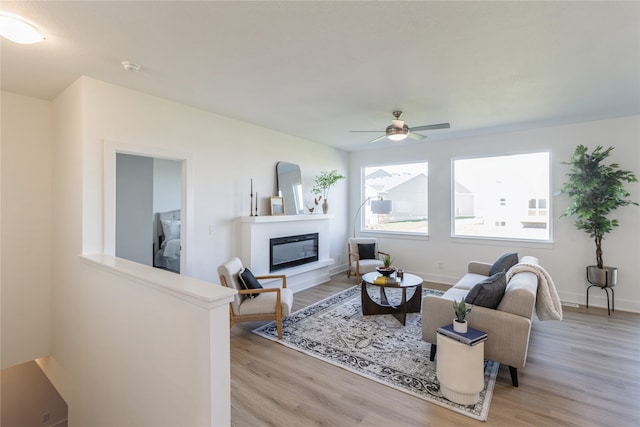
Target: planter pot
<point x="386" y="271"/>
<point x="606" y="277"/>
<point x="460" y="327"/>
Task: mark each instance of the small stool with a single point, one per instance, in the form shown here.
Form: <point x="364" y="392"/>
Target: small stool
<point x="460" y="370"/>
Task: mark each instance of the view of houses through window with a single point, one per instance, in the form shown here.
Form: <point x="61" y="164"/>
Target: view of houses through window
<point x="502" y="197"/>
<point x="398" y="198"/>
<point x="493" y="197"/>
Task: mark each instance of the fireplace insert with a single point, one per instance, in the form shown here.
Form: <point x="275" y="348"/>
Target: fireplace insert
<point x="291" y="251"/>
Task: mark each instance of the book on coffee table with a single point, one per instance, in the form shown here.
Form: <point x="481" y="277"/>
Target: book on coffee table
<point x="472" y="337"/>
<point x="385" y="280"/>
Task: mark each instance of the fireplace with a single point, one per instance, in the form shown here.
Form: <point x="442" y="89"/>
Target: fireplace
<point x="291" y="251"/>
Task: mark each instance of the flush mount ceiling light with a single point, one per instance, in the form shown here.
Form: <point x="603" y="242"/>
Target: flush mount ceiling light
<point x="19" y="30"/>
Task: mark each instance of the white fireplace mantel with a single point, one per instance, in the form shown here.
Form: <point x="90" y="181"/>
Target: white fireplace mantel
<point x="283" y="218"/>
<point x="258" y="230"/>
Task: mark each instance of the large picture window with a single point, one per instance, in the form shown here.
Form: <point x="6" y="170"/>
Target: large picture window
<point x="502" y="197"/>
<point x="397" y="198"/>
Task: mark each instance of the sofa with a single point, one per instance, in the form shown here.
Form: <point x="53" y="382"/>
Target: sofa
<point x="508" y="325"/>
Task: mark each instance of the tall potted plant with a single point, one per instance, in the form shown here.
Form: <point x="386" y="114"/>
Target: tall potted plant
<point x="323" y="183"/>
<point x="596" y="189"/>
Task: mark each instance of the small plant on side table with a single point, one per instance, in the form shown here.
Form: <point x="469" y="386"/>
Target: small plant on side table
<point x="461" y="310"/>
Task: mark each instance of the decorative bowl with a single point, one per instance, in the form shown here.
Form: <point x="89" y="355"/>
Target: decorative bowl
<point x="386" y="271"/>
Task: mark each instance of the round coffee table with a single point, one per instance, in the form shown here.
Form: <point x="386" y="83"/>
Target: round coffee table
<point x="369" y="306"/>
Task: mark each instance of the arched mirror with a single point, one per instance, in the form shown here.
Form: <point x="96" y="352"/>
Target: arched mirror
<point x="289" y="183"/>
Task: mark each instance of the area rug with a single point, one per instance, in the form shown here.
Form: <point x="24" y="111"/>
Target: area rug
<point x="377" y="347"/>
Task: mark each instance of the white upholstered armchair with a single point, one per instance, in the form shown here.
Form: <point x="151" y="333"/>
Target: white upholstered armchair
<point x="364" y="256"/>
<point x="250" y="305"/>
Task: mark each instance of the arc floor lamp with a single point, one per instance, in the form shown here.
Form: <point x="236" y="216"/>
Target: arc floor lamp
<point x="378" y="207"/>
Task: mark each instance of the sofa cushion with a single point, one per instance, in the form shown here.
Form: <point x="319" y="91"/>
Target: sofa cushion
<point x="367" y="250"/>
<point x="249" y="281"/>
<point x="489" y="292"/>
<point x="504" y="263"/>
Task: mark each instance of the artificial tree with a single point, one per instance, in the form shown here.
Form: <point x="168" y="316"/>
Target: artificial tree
<point x="596" y="189"/>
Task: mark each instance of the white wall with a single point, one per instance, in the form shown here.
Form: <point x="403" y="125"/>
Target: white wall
<point x="167" y="185"/>
<point x="26" y="173"/>
<point x="225" y="154"/>
<point x="571" y="249"/>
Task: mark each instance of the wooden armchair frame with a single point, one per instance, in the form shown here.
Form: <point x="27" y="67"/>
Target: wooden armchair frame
<point x="355" y="256"/>
<point x="276" y="315"/>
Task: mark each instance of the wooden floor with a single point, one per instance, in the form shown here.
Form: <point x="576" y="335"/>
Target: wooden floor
<point x="582" y="371"/>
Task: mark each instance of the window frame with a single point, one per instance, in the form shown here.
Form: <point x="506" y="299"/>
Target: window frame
<point x="510" y="240"/>
<point x="361" y="212"/>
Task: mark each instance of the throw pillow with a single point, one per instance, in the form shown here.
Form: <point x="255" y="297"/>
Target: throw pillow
<point x="504" y="263"/>
<point x="489" y="292"/>
<point x="367" y="250"/>
<point x="170" y="228"/>
<point x="249" y="281"/>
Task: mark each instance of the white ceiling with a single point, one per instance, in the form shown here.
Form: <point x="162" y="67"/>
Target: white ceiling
<point x="318" y="69"/>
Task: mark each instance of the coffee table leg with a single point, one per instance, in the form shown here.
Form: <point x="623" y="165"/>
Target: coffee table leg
<point x="415" y="302"/>
<point x="401" y="313"/>
<point x="383" y="297"/>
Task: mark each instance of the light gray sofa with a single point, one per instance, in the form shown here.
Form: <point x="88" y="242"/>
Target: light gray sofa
<point x="508" y="327"/>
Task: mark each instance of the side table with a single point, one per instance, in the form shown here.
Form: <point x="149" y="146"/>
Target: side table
<point x="460" y="370"/>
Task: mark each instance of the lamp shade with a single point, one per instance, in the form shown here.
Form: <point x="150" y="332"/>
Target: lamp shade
<point x="381" y="207"/>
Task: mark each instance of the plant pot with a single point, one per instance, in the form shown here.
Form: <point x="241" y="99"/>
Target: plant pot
<point x="460" y="327"/>
<point x="605" y="277"/>
<point x="325" y="206"/>
<point x="386" y="271"/>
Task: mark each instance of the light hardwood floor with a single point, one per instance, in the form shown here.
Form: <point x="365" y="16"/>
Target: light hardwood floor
<point x="582" y="371"/>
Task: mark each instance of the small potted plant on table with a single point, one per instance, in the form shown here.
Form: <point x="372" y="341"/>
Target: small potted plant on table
<point x="387" y="270"/>
<point x="461" y="310"/>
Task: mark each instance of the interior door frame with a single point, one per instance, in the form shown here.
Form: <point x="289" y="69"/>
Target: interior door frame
<point x="111" y="149"/>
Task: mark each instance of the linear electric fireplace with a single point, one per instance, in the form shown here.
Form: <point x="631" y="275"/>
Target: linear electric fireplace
<point x="290" y="251"/>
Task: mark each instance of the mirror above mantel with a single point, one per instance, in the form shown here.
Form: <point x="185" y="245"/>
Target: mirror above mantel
<point x="289" y="186"/>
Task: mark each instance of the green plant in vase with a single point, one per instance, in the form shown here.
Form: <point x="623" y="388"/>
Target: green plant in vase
<point x="323" y="184"/>
<point x="461" y="310"/>
<point x="387" y="261"/>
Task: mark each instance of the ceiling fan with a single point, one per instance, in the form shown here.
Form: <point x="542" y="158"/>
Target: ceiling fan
<point x="399" y="130"/>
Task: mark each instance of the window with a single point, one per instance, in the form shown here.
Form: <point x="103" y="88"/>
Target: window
<point x="398" y="198"/>
<point x="502" y="197"/>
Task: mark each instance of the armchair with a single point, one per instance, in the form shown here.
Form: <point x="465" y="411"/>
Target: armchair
<point x="363" y="258"/>
<point x="268" y="303"/>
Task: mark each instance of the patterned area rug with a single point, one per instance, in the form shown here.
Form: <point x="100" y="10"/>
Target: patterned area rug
<point x="377" y="347"/>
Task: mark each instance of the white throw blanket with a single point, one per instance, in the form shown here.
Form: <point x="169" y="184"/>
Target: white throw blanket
<point x="548" y="306"/>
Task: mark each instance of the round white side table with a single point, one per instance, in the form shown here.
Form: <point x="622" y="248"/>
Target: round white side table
<point x="460" y="370"/>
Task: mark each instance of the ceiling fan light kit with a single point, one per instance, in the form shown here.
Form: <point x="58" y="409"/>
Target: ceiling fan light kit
<point x="396" y="133"/>
<point x="398" y="130"/>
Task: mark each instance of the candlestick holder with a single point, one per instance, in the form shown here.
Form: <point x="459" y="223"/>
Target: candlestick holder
<point x="251" y="206"/>
<point x="256" y="204"/>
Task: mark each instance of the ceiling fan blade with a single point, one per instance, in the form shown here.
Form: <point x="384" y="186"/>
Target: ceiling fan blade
<point x="416" y="136"/>
<point x="360" y="131"/>
<point x="431" y="127"/>
<point x="380" y="138"/>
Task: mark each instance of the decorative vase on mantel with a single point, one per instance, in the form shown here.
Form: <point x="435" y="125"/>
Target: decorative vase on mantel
<point x="325" y="206"/>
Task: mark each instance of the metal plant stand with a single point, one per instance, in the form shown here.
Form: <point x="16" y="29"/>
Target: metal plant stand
<point x="606" y="288"/>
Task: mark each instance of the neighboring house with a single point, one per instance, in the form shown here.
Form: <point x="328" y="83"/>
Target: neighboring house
<point x="465" y="201"/>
